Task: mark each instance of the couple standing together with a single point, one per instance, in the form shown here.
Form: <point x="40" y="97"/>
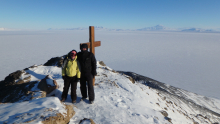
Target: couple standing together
<point x="79" y="66"/>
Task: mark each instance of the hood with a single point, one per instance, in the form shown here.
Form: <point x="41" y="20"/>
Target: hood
<point x="83" y="46"/>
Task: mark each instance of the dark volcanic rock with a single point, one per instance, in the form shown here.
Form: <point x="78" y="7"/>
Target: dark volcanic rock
<point x="57" y="61"/>
<point x="12" y="91"/>
<point x="10" y="79"/>
<point x="102" y="63"/>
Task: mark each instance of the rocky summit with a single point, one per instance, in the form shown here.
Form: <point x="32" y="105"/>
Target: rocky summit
<point x="33" y="96"/>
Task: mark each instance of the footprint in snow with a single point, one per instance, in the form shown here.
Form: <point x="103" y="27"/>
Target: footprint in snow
<point x="121" y="103"/>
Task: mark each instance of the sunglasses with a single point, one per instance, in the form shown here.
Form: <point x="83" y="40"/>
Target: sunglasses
<point x="73" y="54"/>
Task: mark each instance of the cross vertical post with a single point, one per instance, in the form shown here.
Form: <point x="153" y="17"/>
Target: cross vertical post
<point x="92" y="39"/>
<point x="92" y="48"/>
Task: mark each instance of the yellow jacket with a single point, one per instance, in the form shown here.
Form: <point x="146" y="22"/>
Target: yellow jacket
<point x="71" y="68"/>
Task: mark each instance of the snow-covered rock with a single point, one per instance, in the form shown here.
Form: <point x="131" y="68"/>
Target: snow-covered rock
<point x="17" y="87"/>
<point x="48" y="84"/>
<point x="45" y="110"/>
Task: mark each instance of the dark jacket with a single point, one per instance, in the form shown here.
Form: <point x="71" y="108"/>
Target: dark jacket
<point x="87" y="62"/>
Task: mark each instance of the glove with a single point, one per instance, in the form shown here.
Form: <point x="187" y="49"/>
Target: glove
<point x="78" y="79"/>
<point x="63" y="77"/>
<point x="94" y="74"/>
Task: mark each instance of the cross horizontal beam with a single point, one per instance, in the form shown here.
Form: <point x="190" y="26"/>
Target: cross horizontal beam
<point x="96" y="44"/>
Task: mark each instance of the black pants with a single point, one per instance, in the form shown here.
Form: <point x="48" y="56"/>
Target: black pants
<point x="87" y="77"/>
<point x="67" y="82"/>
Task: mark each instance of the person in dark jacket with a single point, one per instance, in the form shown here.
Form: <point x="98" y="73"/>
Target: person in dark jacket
<point x="87" y="62"/>
<point x="70" y="74"/>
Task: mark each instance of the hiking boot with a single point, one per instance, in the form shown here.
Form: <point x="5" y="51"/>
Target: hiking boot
<point x="82" y="99"/>
<point x="63" y="100"/>
<point x="91" y="102"/>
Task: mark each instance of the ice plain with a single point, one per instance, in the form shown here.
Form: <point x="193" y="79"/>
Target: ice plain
<point x="186" y="60"/>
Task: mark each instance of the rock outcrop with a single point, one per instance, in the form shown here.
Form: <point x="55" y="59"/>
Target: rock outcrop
<point x="86" y="121"/>
<point x="15" y="87"/>
<point x="60" y="118"/>
<point x="48" y="84"/>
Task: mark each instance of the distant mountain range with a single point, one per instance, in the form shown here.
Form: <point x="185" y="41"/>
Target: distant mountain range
<point x="9" y="29"/>
<point x="199" y="30"/>
<point x="153" y="28"/>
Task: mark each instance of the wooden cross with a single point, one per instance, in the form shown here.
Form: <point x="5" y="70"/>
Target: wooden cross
<point x="92" y="43"/>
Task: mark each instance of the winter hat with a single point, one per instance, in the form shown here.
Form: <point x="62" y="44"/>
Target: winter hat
<point x="73" y="52"/>
<point x="84" y="46"/>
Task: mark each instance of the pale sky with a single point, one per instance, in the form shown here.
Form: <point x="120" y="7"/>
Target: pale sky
<point x="121" y="14"/>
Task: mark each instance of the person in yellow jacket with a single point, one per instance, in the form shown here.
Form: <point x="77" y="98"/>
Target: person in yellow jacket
<point x="70" y="74"/>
